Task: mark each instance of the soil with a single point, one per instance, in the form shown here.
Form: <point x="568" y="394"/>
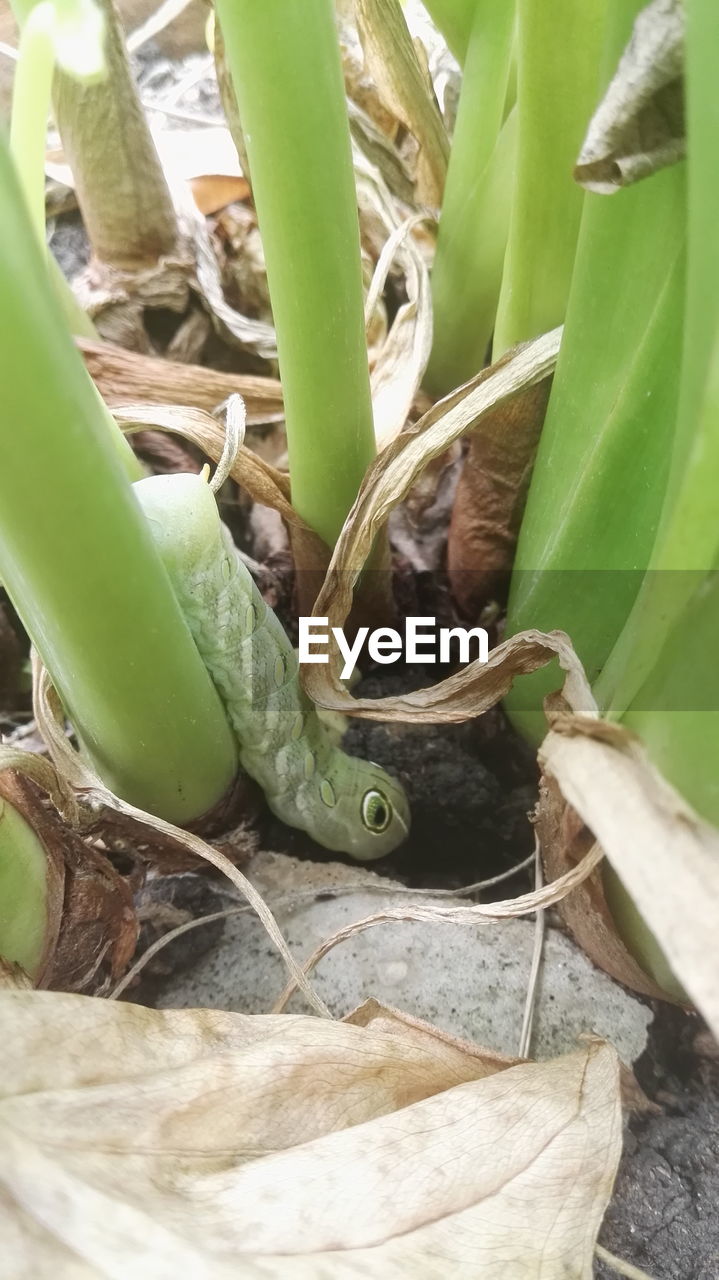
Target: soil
<point x="663" y="1215"/>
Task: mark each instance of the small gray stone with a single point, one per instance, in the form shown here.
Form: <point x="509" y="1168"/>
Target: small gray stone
<point x="470" y="979"/>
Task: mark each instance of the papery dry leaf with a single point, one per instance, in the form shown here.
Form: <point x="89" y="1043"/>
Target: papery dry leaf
<point x="246" y="332"/>
<point x="639" y="125"/>
<point x="138" y="1142"/>
<point x="263" y="482"/>
<point x="565" y="840"/>
<point x="665" y="855"/>
<point x="459" y="1054"/>
<point x="388" y="481"/>
<point x="125" y="376"/>
<point x="400" y="79"/>
<point x="116" y="299"/>
<point x="374" y="147"/>
<point x="400" y="364"/>
<point x="490" y="498"/>
<point x="360" y="86"/>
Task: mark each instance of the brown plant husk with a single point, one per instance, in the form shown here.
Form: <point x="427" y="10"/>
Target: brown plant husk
<point x="91" y="929"/>
<point x="491" y="496"/>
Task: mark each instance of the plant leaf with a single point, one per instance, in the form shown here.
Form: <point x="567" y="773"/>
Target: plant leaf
<point x="402" y="85"/>
<point x="639" y="124"/>
<point x="135" y="1142"/>
<point x="664" y="854"/>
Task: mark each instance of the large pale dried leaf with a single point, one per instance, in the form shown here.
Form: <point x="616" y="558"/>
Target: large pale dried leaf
<point x="402" y="84"/>
<point x="665" y="855"/>
<point x="146" y="1143"/>
<point x="639" y="125"/>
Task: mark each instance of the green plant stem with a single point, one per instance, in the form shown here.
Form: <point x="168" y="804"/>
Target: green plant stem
<point x="124" y="198"/>
<point x="23" y="890"/>
<point x="79" y="562"/>
<point x="467" y="270"/>
<point x="454" y="19"/>
<point x="599" y="478"/>
<point x="284" y="61"/>
<point x="32" y="87"/>
<point x="687" y="543"/>
<point x="559" y="48"/>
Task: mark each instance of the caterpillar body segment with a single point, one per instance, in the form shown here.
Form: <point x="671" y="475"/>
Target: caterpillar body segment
<point x="346" y="804"/>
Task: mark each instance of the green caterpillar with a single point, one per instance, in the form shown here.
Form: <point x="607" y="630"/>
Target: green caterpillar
<point x="346" y="804"/>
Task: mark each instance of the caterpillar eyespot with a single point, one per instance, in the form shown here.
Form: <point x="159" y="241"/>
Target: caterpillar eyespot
<point x="376" y="812"/>
<point x="346" y="804"/>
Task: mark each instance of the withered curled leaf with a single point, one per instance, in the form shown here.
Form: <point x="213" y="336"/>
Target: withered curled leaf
<point x="639" y="125"/>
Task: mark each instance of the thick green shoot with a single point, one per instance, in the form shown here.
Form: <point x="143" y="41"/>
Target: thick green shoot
<point x="658" y="672"/>
<point x="121" y="188"/>
<point x="23" y="891"/>
<point x="284" y="60"/>
<point x="559" y="49"/>
<point x="601" y="471"/>
<point x="454" y="19"/>
<point x="44" y="36"/>
<point x="79" y="564"/>
<point x="472" y="237"/>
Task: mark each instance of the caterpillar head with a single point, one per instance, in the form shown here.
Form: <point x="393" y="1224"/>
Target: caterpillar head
<point x="370" y="816"/>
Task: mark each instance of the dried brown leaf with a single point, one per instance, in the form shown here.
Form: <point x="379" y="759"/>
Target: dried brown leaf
<point x="639" y="125"/>
<point x="399" y="366"/>
<point x="374" y="147"/>
<point x="387" y="483"/>
<point x="666" y="856"/>
<point x="264" y="483"/>
<point x="125" y="376"/>
<point x="490" y="498"/>
<point x="216" y="1145"/>
<point x="565" y="840"/>
<point x="402" y="85"/>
